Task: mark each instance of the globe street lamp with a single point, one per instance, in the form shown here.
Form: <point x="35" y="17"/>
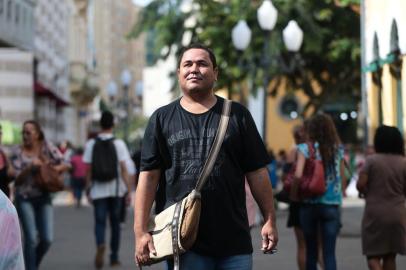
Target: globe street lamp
<point x="267" y="16"/>
<point x="112" y="90"/>
<point x="241" y="35"/>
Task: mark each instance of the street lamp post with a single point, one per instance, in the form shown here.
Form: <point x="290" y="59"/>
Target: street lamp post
<point x="112" y="91"/>
<point x="125" y="81"/>
<point x="267" y="16"/>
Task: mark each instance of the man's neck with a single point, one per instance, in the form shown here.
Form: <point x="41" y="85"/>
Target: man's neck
<point x="106" y="131"/>
<point x="197" y="103"/>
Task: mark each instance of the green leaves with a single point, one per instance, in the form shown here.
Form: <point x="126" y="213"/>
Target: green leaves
<point x="329" y="57"/>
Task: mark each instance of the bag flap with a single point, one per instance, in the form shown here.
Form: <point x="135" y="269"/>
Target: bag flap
<point x="164" y="219"/>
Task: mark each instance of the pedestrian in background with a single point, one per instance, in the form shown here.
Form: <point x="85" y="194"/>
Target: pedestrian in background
<point x="78" y="173"/>
<point x="107" y="184"/>
<point x="65" y="147"/>
<point x="5" y="170"/>
<point x="126" y="200"/>
<point x="322" y="212"/>
<point x="175" y="147"/>
<point x="273" y="169"/>
<point x="382" y="181"/>
<point x="11" y="252"/>
<point x="299" y="136"/>
<point x="33" y="204"/>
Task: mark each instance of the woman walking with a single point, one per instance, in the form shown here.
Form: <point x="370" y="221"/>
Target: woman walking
<point x="34" y="204"/>
<point x="319" y="216"/>
<point x="382" y="181"/>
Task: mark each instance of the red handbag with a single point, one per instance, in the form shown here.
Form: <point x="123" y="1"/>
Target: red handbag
<point x="312" y="183"/>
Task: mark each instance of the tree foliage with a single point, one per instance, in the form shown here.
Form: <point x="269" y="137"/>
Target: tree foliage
<point x="326" y="68"/>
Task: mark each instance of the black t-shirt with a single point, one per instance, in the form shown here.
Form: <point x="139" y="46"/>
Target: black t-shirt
<point x="178" y="142"/>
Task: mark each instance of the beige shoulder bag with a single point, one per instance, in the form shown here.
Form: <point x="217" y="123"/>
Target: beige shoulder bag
<point x="174" y="230"/>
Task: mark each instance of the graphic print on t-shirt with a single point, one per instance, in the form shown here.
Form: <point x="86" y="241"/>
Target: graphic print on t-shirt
<point x="190" y="152"/>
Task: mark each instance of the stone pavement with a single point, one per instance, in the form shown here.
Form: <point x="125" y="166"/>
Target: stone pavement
<point x="74" y="245"/>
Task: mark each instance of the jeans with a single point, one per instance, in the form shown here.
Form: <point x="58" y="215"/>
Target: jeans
<point x="108" y="206"/>
<point x="194" y="261"/>
<point x="36" y="216"/>
<point x="326" y="218"/>
<point x="78" y="184"/>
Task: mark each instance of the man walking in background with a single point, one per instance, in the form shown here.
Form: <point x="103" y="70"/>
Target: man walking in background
<point x="107" y="184"/>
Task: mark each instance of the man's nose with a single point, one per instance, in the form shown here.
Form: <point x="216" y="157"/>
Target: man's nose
<point x="194" y="68"/>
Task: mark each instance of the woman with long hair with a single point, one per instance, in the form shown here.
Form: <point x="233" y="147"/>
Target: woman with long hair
<point x="34" y="204"/>
<point x="320" y="216"/>
<point x="382" y="181"/>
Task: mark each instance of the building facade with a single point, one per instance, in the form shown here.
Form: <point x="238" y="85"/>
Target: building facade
<point x="112" y="21"/>
<point x="51" y="70"/>
<point x="16" y="27"/>
<point x="16" y="69"/>
<point x="383" y="48"/>
<point x="83" y="78"/>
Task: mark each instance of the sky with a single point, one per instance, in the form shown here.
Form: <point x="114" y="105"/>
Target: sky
<point x="141" y="2"/>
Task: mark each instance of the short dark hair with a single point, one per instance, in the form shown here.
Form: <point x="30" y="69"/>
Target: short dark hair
<point x="389" y="140"/>
<point x="198" y="46"/>
<point x="106" y="120"/>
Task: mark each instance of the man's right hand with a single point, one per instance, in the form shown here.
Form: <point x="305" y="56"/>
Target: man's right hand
<point x="144" y="245"/>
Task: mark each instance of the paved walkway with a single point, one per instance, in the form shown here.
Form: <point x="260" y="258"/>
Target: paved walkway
<point x="73" y="247"/>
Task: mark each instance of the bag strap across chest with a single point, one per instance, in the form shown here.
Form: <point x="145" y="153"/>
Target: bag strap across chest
<point x="215" y="148"/>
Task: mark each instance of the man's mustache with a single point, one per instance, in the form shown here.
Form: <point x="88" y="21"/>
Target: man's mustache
<point x="194" y="76"/>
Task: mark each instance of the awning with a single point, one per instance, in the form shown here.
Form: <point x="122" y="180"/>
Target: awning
<point x="41" y="90"/>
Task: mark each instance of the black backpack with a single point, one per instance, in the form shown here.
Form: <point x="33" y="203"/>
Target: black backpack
<point x="104" y="160"/>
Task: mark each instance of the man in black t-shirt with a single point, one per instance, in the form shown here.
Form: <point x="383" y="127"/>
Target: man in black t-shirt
<point x="175" y="146"/>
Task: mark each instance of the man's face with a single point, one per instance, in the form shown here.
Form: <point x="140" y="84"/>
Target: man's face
<point x="196" y="72"/>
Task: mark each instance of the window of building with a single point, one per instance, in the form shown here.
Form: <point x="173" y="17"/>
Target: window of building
<point x="289" y="107"/>
<point x="17" y="13"/>
<point x="8" y="10"/>
<point x="23" y="21"/>
<point x="1" y="6"/>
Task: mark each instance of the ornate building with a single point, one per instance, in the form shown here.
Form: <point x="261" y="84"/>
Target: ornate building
<point x="83" y="79"/>
<point x="384" y="49"/>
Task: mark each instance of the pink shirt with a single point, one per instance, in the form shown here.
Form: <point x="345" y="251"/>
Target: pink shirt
<point x="11" y="253"/>
<point x="78" y="166"/>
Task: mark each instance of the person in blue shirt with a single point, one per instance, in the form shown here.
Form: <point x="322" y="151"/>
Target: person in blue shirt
<point x="321" y="212"/>
<point x="272" y="169"/>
